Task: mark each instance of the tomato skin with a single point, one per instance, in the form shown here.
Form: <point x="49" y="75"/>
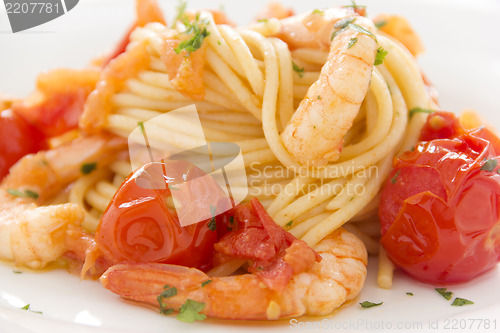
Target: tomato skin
<point x="138" y="227"/>
<point x="440" y="213"/>
<point x="17" y="138"/>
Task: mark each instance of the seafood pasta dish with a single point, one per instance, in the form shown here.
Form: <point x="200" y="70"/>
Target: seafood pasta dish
<point x="209" y="169"/>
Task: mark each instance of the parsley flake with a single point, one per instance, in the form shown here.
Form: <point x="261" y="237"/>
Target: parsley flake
<point x="419" y="110"/>
<point x="344" y="23"/>
<point x="198" y="31"/>
<point x="444" y="293"/>
<point x="166" y="293"/>
<point x="181" y="8"/>
<point x="263" y="20"/>
<point x="489" y="165"/>
<point x="380" y="24"/>
<point x="461" y="301"/>
<point x="297" y="69"/>
<point x="25" y="194"/>
<point x="289" y="224"/>
<point x="190" y="311"/>
<point x="141" y="126"/>
<point x="367" y="304"/>
<point x="409" y="294"/>
<point x="87" y="168"/>
<point x="319" y="96"/>
<point x="27" y="307"/>
<point x="17" y="272"/>
<point x="318" y="11"/>
<point x="204" y="283"/>
<point x="212" y="225"/>
<point x="380" y="56"/>
<point x="352" y="42"/>
<point x="394" y="179"/>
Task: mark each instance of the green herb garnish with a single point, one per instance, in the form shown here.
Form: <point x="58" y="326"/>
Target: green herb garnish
<point x="87" y="168"/>
<point x="17" y="272"/>
<point x="380" y="24"/>
<point x="395" y="178"/>
<point x="489" y="165"/>
<point x="27" y="307"/>
<point x="204" y="283"/>
<point x="319" y="96"/>
<point x="461" y="301"/>
<point x="409" y="294"/>
<point x="181" y="8"/>
<point x="263" y="20"/>
<point x="25" y="194"/>
<point x="366" y="304"/>
<point x="380" y="56"/>
<point x="344" y="23"/>
<point x="419" y="110"/>
<point x="166" y="293"/>
<point x="360" y="29"/>
<point x="444" y="293"/>
<point x="289" y="224"/>
<point x="352" y="42"/>
<point x="141" y="126"/>
<point x="318" y="11"/>
<point x="190" y="311"/>
<point x="198" y="31"/>
<point x="212" y="225"/>
<point x="297" y="69"/>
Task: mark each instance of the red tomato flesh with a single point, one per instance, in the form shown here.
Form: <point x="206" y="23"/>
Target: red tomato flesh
<point x="440" y="208"/>
<point x="17" y="138"/>
<point x="138" y="226"/>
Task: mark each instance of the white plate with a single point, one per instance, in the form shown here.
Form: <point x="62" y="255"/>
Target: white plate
<point x="462" y="60"/>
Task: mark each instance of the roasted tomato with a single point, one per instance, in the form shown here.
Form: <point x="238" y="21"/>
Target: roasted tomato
<point x="140" y="225"/>
<point x="440" y="208"/>
<point x="17" y="138"/>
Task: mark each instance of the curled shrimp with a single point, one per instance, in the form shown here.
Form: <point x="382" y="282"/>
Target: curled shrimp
<point x="32" y="234"/>
<point x="314" y="135"/>
<point x="328" y="284"/>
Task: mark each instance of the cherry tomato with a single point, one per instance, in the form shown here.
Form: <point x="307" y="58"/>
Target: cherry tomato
<point x="17" y="138"/>
<point x="138" y="225"/>
<point x="440" y="208"/>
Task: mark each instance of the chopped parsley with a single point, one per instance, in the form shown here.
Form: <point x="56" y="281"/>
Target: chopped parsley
<point x="367" y="304"/>
<point x="318" y="11"/>
<point x="141" y="126"/>
<point x="166" y="293"/>
<point x="212" y="225"/>
<point x="395" y="178"/>
<point x="352" y="42"/>
<point x="204" y="283"/>
<point x="198" y="31"/>
<point x="181" y="8"/>
<point x="380" y="56"/>
<point x="419" y="110"/>
<point x="461" y="301"/>
<point x="263" y="20"/>
<point x="298" y="69"/>
<point x="489" y="165"/>
<point x="25" y="194"/>
<point x="27" y="307"/>
<point x="319" y="96"/>
<point x="17" y="272"/>
<point x="190" y="311"/>
<point x="354" y="5"/>
<point x="172" y="187"/>
<point x="344" y="23"/>
<point x="380" y="24"/>
<point x="289" y="224"/>
<point x="444" y="293"/>
<point x="360" y="29"/>
<point x="87" y="168"/>
<point x="409" y="294"/>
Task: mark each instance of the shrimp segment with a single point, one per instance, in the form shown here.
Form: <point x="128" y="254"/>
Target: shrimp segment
<point x="34" y="235"/>
<point x="315" y="133"/>
<point x="319" y="291"/>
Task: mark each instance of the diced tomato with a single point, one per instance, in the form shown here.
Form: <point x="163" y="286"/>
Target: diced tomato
<point x="56" y="105"/>
<point x="441" y="125"/>
<point x="17" y="138"/>
<point x="440" y="208"/>
<point x="257" y="238"/>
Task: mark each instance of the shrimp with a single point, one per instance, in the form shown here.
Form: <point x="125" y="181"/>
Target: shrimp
<point x="32" y="234"/>
<point x="314" y="135"/>
<point x="324" y="287"/>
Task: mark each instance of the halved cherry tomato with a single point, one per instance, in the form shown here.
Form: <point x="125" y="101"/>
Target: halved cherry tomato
<point x="17" y="138"/>
<point x="138" y="225"/>
<point x="440" y="208"/>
